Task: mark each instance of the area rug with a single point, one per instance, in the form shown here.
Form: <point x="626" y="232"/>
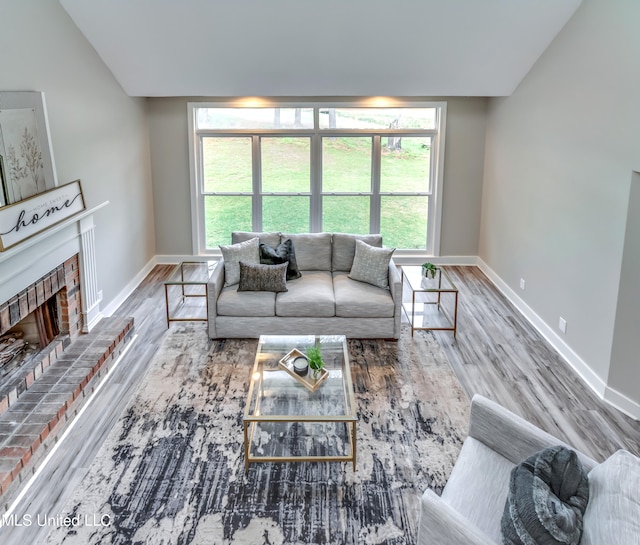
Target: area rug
<point x="172" y="469"/>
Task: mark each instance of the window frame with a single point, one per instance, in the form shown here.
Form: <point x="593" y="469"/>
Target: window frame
<point x="316" y="136"/>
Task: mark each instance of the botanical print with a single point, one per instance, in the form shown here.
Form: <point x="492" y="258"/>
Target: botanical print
<point x="23" y="165"/>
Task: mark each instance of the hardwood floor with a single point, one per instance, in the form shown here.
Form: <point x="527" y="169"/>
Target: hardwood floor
<point x="497" y="353"/>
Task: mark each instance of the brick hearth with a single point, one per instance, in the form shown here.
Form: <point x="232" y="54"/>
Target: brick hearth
<point x="34" y="417"/>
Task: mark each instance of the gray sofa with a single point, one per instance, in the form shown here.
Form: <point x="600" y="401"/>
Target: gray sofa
<point x="324" y="300"/>
<point x="471" y="505"/>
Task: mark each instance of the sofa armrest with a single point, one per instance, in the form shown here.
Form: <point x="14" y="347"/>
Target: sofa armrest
<point x="440" y="523"/>
<point x="395" y="287"/>
<point x="215" y="285"/>
<point x="510" y="435"/>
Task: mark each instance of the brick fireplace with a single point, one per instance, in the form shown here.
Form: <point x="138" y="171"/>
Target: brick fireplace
<point x="63" y="282"/>
<point x="48" y="279"/>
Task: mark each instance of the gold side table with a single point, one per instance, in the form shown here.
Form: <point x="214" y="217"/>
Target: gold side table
<point x="190" y="280"/>
<point x="434" y="301"/>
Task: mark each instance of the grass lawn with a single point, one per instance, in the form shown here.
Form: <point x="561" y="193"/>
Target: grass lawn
<point x="346" y="168"/>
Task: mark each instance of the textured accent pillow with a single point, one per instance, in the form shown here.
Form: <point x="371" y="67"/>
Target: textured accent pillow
<point x="283" y="253"/>
<point x="548" y="495"/>
<point x="371" y="264"/>
<point x="232" y="254"/>
<point x="343" y="249"/>
<point x="263" y="277"/>
<point x="614" y="502"/>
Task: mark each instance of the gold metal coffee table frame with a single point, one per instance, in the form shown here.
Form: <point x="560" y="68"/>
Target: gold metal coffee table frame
<point x="189" y="274"/>
<point x="271" y="389"/>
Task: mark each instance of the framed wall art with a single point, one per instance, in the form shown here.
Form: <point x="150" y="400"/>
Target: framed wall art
<point x="22" y="220"/>
<point x="26" y="160"/>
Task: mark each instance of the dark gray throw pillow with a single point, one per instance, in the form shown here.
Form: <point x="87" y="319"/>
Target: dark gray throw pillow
<point x="548" y="495"/>
<point x="283" y="253"/>
<point x="263" y="277"/>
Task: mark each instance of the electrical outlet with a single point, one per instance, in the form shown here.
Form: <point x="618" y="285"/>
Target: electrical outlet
<point x="522" y="283"/>
<point x="562" y="325"/>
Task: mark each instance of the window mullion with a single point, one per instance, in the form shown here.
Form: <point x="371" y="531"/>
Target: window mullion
<point x="376" y="165"/>
<point x="256" y="179"/>
<point x="315" y="202"/>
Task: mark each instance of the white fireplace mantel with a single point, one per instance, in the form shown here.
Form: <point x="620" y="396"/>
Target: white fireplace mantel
<point x="25" y="263"/>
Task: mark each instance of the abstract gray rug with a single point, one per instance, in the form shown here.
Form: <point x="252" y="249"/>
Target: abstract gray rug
<point x="172" y="469"/>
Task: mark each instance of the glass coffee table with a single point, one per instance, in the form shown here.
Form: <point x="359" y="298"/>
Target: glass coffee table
<point x="285" y="420"/>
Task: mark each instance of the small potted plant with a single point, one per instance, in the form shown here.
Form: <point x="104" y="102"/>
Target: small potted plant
<point x="429" y="270"/>
<point x="316" y="363"/>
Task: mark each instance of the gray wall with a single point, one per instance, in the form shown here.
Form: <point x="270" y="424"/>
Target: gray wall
<point x="624" y="374"/>
<point x="558" y="167"/>
<point x="98" y="133"/>
<point x="462" y="188"/>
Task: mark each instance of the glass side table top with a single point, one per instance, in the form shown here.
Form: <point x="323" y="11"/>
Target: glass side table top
<point x="418" y="282"/>
<point x="433" y="303"/>
<point x="191" y="272"/>
<point x="284" y="421"/>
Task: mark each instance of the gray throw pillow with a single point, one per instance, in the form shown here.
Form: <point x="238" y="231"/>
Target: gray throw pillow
<point x="283" y="253"/>
<point x="263" y="277"/>
<point x="548" y="495"/>
<point x="232" y="254"/>
<point x="371" y="264"/>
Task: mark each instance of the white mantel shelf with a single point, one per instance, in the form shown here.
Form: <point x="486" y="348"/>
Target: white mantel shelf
<point x="40" y="237"/>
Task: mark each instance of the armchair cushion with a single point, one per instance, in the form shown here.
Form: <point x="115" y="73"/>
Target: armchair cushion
<point x="478" y="486"/>
<point x="548" y="494"/>
<point x="613" y="512"/>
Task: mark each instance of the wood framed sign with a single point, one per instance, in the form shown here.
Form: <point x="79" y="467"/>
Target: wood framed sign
<point x="27" y="218"/>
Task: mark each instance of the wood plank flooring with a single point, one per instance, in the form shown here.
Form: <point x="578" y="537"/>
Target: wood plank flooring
<point x="497" y="353"/>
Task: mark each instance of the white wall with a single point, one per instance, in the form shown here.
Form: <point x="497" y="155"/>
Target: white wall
<point x="462" y="188"/>
<point x="558" y="167"/>
<point x="98" y="133"/>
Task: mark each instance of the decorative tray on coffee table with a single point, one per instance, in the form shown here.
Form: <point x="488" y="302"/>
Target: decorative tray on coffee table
<point x="307" y="379"/>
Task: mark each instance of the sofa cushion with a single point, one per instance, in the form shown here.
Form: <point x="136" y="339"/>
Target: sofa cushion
<point x="271" y="238"/>
<point x="313" y="250"/>
<point x="613" y="512"/>
<point x="284" y="252"/>
<point x="263" y="277"/>
<point x="309" y="295"/>
<point x="548" y="494"/>
<point x="232" y="254"/>
<point x="344" y="249"/>
<point x="371" y="264"/>
<point x="360" y="300"/>
<point x="232" y="302"/>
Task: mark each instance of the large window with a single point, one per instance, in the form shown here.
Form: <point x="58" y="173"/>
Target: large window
<point x="321" y="167"/>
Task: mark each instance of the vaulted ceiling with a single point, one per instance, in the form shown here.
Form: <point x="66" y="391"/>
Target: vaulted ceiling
<point x="320" y="48"/>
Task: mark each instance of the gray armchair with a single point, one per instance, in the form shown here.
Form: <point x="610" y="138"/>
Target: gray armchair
<point x="472" y="502"/>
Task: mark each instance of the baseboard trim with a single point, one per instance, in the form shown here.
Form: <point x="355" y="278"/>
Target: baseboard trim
<point x="622" y="403"/>
<point x="171" y="259"/>
<point x="599" y="386"/>
<point x="129" y="288"/>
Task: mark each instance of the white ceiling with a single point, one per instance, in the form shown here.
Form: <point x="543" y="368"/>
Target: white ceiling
<point x="320" y="48"/>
